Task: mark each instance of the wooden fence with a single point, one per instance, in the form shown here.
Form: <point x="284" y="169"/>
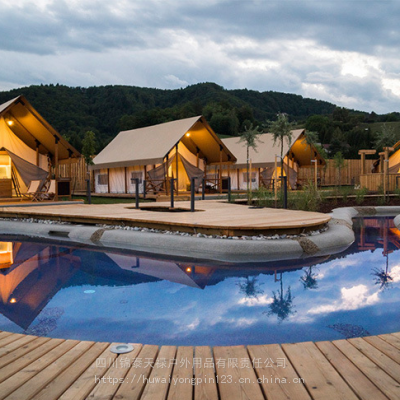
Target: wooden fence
<point x="78" y="174"/>
<point x="374" y="182"/>
<point x="329" y="175"/>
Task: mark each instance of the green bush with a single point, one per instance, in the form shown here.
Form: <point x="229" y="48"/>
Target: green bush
<point x="360" y="195"/>
<point x="262" y="197"/>
<point x="308" y="199"/>
<point x="345" y="192"/>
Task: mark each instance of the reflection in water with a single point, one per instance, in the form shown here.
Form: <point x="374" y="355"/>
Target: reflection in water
<point x="51" y="289"/>
<point x="309" y="279"/>
<point x="282" y="303"/>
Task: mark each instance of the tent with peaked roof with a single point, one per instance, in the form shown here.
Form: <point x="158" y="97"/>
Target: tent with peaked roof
<point x="27" y="136"/>
<point x="181" y="149"/>
<point x="296" y="155"/>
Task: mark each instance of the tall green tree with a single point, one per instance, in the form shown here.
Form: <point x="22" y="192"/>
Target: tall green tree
<point x="385" y="138"/>
<point x="250" y="137"/>
<point x="281" y="130"/>
<point x="89" y="147"/>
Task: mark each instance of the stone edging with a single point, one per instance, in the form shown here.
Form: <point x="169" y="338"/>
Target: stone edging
<point x="337" y="238"/>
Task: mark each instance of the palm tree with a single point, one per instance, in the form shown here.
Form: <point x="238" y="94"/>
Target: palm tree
<point x="250" y="288"/>
<point x="309" y="280"/>
<point x="382" y="276"/>
<point x="282" y="304"/>
<point x="250" y="137"/>
<point x="281" y="130"/>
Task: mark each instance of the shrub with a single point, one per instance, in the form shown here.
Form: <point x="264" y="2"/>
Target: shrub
<point x="262" y="197"/>
<point x="360" y="195"/>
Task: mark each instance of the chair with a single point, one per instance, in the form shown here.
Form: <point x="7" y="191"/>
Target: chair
<point x="34" y="190"/>
<point x="49" y="191"/>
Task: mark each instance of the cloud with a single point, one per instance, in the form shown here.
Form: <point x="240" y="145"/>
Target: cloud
<point x="351" y="299"/>
<point x="343" y="52"/>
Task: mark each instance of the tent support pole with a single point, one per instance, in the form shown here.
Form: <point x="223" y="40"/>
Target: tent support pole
<point x="288" y="172"/>
<point x="37" y="152"/>
<point x="176" y="166"/>
<point x="220" y="168"/>
<point x="238" y="178"/>
<point x="165" y="175"/>
<point x="126" y="181"/>
<point x="108" y="180"/>
<point x="56" y="168"/>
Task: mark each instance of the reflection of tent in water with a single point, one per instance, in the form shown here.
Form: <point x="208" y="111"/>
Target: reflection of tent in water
<point x="156" y="268"/>
<point x="33" y="278"/>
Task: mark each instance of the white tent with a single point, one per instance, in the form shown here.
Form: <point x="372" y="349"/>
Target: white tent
<point x="28" y="136"/>
<point x="134" y="153"/>
<point x="262" y="159"/>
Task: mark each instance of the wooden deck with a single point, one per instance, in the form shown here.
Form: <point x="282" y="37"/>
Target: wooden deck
<point x="43" y="368"/>
<point x="211" y="216"/>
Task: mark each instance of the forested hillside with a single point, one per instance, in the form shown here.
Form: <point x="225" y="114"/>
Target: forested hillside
<point x="106" y="110"/>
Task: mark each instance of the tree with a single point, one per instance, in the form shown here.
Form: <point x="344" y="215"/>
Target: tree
<point x="309" y="280"/>
<point x="281" y="130"/>
<point x="250" y="288"/>
<point x="250" y="137"/>
<point x="385" y="138"/>
<point x="339" y="163"/>
<point x="89" y="147"/>
<point x="282" y="304"/>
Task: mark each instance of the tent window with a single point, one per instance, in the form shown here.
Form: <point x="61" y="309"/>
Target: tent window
<point x="102" y="179"/>
<point x="136" y="175"/>
<point x="252" y="176"/>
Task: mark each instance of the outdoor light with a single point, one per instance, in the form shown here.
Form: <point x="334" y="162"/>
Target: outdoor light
<point x="188" y="269"/>
<point x="187" y="134"/>
<point x="13" y="300"/>
<point x="121" y="348"/>
<point x="10" y="122"/>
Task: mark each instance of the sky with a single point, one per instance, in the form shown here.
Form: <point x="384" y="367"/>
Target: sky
<point x="342" y="51"/>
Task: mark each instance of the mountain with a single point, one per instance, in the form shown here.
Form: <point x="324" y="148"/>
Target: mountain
<point x="108" y="109"/>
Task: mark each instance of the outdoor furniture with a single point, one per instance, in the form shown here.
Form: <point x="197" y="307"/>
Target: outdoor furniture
<point x="34" y="190"/>
<point x="48" y="192"/>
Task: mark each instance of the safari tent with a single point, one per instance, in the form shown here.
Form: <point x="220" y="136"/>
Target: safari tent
<point x="30" y="148"/>
<point x="180" y="149"/>
<point x="262" y="159"/>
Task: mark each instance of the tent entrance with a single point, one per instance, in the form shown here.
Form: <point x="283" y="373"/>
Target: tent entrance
<point x="17" y="173"/>
<point x="159" y="178"/>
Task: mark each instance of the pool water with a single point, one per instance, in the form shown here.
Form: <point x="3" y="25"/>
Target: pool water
<point x="49" y="289"/>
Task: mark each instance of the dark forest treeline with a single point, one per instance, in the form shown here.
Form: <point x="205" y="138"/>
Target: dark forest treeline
<point x="106" y="110"/>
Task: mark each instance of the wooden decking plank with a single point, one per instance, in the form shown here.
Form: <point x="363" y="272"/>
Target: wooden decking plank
<point x="18" y="363"/>
<point x="384" y="347"/>
<point x="181" y="387"/>
<point x="106" y="388"/>
<point x="236" y="377"/>
<point x="18" y="379"/>
<point x="44" y="376"/>
<point x="206" y="383"/>
<point x="160" y="376"/>
<point x="21" y="342"/>
<point x="379" y="358"/>
<point x="321" y="379"/>
<point x="391" y="339"/>
<point x="82" y="386"/>
<point x="375" y="374"/>
<point x="4" y="334"/>
<point x="22" y="350"/>
<point x="356" y="379"/>
<point x="277" y="378"/>
<point x="10" y="338"/>
<point x="135" y="381"/>
<point x="56" y="387"/>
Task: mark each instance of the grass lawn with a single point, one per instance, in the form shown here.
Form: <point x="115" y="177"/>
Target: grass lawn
<point x="108" y="200"/>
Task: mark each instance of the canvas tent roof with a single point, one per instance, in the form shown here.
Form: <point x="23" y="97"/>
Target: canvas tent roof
<point x="29" y="126"/>
<point x="150" y="145"/>
<point x="264" y="154"/>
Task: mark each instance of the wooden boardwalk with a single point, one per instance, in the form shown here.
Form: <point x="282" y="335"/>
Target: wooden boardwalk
<point x="43" y="368"/>
<point x="211" y="216"/>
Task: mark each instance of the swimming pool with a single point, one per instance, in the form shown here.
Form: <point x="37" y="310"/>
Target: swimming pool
<point x="50" y="289"/>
